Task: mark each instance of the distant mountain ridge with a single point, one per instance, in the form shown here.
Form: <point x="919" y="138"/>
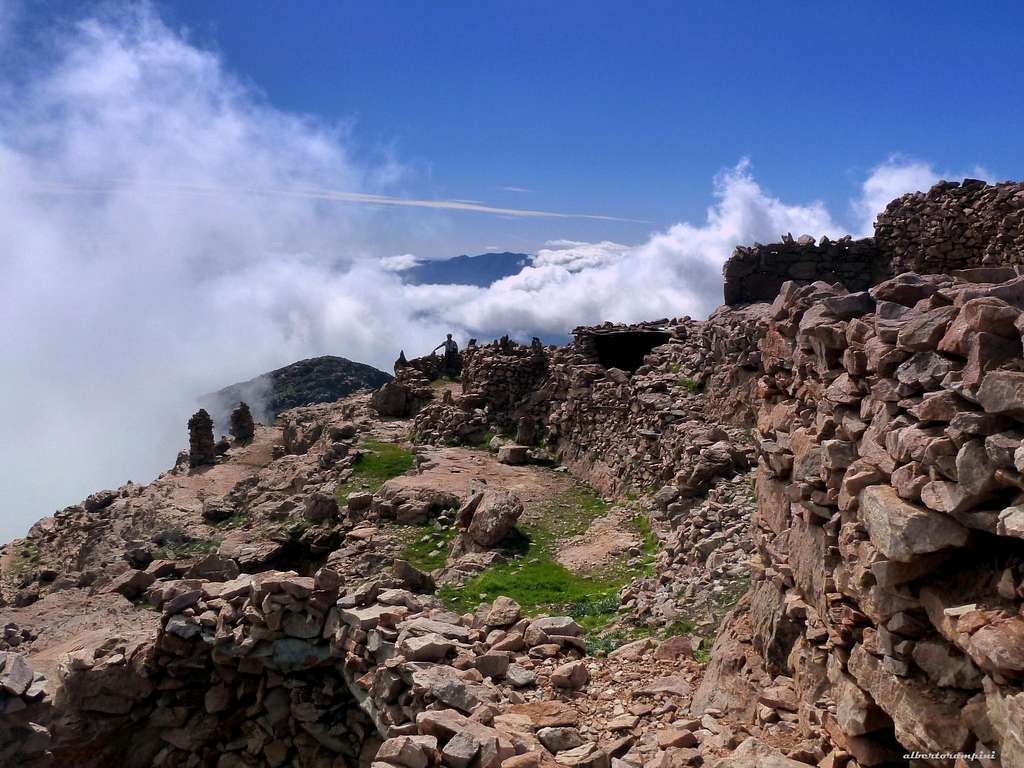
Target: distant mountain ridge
<point x="305" y="382"/>
<point x="480" y="270"/>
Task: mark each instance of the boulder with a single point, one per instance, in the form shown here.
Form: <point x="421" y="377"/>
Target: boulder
<point x="504" y="612"/>
<point x="573" y="674"/>
<point x="392" y="399"/>
<point x="513" y="454"/>
<point x="901" y="530"/>
<point x="214" y="567"/>
<point x="131" y="583"/>
<point x="1003" y="392"/>
<point x="494" y="517"/>
<point x="321" y="504"/>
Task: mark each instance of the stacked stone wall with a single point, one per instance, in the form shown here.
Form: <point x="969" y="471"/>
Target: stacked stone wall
<point x="501" y="374"/>
<point x="755" y="273"/>
<point x="953" y="226"/>
<point x="891" y="543"/>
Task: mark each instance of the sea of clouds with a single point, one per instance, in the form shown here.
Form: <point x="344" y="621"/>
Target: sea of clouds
<point x="164" y="235"/>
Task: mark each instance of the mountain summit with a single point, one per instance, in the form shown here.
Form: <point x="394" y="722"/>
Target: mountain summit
<point x="306" y="382"/>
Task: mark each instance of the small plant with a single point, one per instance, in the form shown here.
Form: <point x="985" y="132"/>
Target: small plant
<point x="25" y="558"/>
<point x="690" y="385"/>
<point x="678" y="627"/>
<point x="642" y="524"/>
<point x="198" y="547"/>
<point x="237" y="520"/>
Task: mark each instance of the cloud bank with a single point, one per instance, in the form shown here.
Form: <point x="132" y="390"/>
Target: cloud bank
<point x="167" y="232"/>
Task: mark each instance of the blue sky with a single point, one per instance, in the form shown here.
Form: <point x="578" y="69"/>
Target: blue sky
<point x="629" y="109"/>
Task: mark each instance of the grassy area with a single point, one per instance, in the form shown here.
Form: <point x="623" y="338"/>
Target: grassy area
<point x="536" y="581"/>
<point x="425" y="546"/>
<point x="378" y="463"/>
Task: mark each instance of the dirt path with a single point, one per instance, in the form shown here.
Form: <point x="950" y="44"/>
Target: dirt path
<point x="605" y="540"/>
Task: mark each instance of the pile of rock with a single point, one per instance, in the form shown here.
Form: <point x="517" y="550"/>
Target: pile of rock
<point x="22" y="690"/>
<point x="703" y="565"/>
<point x="201" y="448"/>
<point x="243" y="428"/>
<point x="405" y="396"/>
<point x="954" y="225"/>
<point x="270" y="668"/>
<point x="502" y="374"/>
<point x="459" y="420"/>
<point x="890" y="583"/>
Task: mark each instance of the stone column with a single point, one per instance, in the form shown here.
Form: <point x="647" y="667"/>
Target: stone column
<point x="200" y="439"/>
<point x="242" y="427"/>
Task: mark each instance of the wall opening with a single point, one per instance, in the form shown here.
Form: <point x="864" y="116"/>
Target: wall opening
<point x="626" y="349"/>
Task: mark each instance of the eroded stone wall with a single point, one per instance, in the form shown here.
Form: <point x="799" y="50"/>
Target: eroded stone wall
<point x="954" y="225"/>
<point x="891" y="584"/>
<point x="756" y="273"/>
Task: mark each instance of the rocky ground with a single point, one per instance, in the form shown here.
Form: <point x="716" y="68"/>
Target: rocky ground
<point x="787" y="535"/>
<point x="119" y="570"/>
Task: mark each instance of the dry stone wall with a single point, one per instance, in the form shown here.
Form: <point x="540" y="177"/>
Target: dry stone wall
<point x="889" y="532"/>
<point x="755" y="273"/>
<point x="954" y="225"/>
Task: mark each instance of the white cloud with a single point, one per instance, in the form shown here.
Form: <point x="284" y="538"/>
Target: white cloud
<point x="675" y="273"/>
<point x="399" y="263"/>
<point x="119" y="306"/>
<point x="574" y="255"/>
<point x="514" y="189"/>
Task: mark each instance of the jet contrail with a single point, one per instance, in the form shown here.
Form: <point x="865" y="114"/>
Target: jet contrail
<point x="325" y="194"/>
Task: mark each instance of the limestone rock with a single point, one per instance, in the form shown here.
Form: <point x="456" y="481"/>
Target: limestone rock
<point x="901" y="530"/>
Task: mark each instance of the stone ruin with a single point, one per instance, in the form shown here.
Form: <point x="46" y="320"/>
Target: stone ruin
<point x="854" y="450"/>
<point x="756" y="273"/>
<point x="954" y="225"/>
<point x="243" y="428"/>
<point x="888" y="584"/>
<point x="201" y="447"/>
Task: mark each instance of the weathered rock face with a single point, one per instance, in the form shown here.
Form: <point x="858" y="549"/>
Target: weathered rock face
<point x="201" y="448"/>
<point x="889" y="428"/>
<point x="242" y="426"/>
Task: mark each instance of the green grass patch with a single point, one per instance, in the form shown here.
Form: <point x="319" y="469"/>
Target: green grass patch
<point x="649" y="542"/>
<point x="535" y="580"/>
<point x="377" y="463"/>
<point x="198" y="547"/>
<point x="425" y="546"/>
<point x="25" y="558"/>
